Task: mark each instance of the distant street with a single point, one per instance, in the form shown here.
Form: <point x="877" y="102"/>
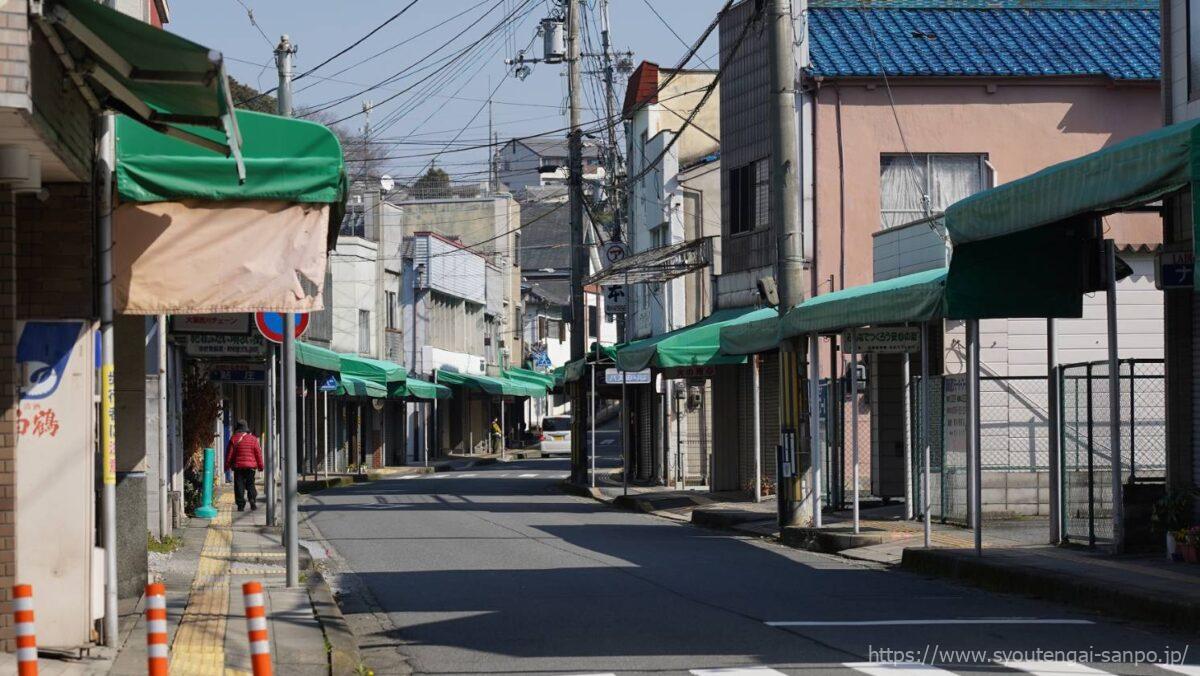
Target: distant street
<point x="493" y="570"/>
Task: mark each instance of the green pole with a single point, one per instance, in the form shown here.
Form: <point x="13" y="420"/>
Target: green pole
<point x="206" y="509"/>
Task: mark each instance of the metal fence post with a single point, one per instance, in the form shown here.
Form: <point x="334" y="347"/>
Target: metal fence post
<point x="1091" y="465"/>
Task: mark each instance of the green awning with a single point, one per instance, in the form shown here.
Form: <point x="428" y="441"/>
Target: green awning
<point x="545" y="380"/>
<point x="163" y="80"/>
<point x="598" y="353"/>
<point x="350" y="386"/>
<point x="383" y="373"/>
<point x="1036" y="230"/>
<point x="415" y="388"/>
<point x="317" y="357"/>
<point x="286" y="160"/>
<point x="695" y="345"/>
<point x="491" y="385"/>
<point x="914" y="298"/>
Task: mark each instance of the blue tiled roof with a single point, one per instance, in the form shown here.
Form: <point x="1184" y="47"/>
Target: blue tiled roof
<point x="1118" y="39"/>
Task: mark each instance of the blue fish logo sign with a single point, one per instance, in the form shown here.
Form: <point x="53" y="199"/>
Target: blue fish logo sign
<point x="43" y="351"/>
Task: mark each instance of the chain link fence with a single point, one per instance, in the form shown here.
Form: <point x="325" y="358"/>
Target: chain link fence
<point x="1086" y="440"/>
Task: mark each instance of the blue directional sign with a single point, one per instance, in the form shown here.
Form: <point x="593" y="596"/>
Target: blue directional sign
<point x="330" y="385"/>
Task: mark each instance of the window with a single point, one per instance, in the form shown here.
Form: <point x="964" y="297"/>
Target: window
<point x="1193" y="49"/>
<point x="912" y="187"/>
<point x="390" y="300"/>
<point x="593" y="321"/>
<point x="364" y="332"/>
<point x="750" y="197"/>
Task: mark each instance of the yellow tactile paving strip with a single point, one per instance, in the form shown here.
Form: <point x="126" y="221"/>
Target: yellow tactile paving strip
<point x="199" y="645"/>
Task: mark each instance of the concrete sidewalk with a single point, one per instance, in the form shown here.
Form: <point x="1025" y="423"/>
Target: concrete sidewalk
<point x="1141" y="588"/>
<point x="205" y="609"/>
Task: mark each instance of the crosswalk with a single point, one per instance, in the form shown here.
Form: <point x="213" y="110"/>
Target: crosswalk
<point x="441" y="476"/>
<point x="918" y="669"/>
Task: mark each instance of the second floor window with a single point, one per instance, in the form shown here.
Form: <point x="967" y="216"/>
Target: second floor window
<point x="912" y="187"/>
<point x="390" y="300"/>
<point x="364" y="332"/>
<point x="749" y="197"/>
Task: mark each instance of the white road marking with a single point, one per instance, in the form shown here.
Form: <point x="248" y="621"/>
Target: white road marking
<point x="468" y="475"/>
<point x="607" y="442"/>
<point x="896" y="669"/>
<point x="408" y="476"/>
<point x="527" y="476"/>
<point x="737" y="671"/>
<point x="892" y="623"/>
<point x="1185" y="669"/>
<point x="1052" y="668"/>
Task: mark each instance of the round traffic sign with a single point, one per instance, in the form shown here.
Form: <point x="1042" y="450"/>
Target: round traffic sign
<point x="615" y="251"/>
<point x="270" y="325"/>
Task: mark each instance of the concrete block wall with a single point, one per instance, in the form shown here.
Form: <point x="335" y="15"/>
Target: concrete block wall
<point x="1016" y="493"/>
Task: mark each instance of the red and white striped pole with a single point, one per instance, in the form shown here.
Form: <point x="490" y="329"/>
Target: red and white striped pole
<point x="256" y="625"/>
<point x="157" y="657"/>
<point x="27" y="664"/>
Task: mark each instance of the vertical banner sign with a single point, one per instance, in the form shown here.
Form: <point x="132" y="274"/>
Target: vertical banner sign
<point x="108" y="424"/>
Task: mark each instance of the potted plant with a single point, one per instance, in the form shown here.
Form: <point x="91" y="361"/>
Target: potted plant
<point x="1189" y="546"/>
<point x="1173" y="513"/>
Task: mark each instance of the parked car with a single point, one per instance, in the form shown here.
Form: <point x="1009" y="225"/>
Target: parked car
<point x="556" y="435"/>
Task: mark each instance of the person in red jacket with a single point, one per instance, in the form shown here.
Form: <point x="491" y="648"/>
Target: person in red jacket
<point x="244" y="456"/>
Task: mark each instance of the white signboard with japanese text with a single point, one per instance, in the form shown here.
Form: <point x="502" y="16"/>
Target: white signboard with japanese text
<point x="218" y="346"/>
<point x="614" y="377"/>
<point x="227" y="323"/>
<point x="884" y="340"/>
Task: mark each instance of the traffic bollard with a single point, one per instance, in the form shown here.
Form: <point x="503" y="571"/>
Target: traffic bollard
<point x="256" y="625"/>
<point x="27" y="663"/>
<point x="206" y="509"/>
<point x="157" y="656"/>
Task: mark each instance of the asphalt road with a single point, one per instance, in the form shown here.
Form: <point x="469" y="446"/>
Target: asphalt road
<point x="493" y="570"/>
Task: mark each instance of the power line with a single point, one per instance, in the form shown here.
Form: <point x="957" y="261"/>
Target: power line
<point x="349" y="47"/>
<point x="672" y="29"/>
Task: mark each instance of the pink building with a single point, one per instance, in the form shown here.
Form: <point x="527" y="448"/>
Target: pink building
<point x="908" y="107"/>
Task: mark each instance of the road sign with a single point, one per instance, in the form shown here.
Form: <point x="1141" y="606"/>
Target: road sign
<point x="614" y="251"/>
<point x="330" y="385"/>
<point x="1175" y="270"/>
<point x="616" y="301"/>
<point x="885" y="341"/>
<point x="270" y="325"/>
<point x="613" y="377"/>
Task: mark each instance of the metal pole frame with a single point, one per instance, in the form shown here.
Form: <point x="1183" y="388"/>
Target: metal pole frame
<point x="854" y="425"/>
<point x="592" y="418"/>
<point x="283" y="62"/>
<point x="1054" y="409"/>
<point x="756" y="380"/>
<point x="164" y="508"/>
<point x="625" y="435"/>
<point x="974" y="450"/>
<point x="910" y="511"/>
<point x="1114" y="398"/>
<point x="925" y="444"/>
<point x="814" y="425"/>
<point x="106" y="151"/>
<point x="325" y="436"/>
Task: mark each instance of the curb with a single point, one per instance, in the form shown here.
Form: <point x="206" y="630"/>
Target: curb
<point x="829" y="542"/>
<point x="585" y="492"/>
<point x="1090" y="594"/>
<point x="344" y="657"/>
<point x="313" y="485"/>
<point x="718" y="518"/>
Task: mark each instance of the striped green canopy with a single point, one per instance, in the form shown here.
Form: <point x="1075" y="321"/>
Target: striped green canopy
<point x="914" y="298"/>
<point x="491" y="385"/>
<point x="695" y="345"/>
<point x="314" y="356"/>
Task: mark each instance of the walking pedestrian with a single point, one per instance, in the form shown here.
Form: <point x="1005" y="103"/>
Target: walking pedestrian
<point x="244" y="455"/>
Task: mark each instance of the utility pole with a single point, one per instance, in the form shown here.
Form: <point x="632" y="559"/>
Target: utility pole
<point x="610" y="112"/>
<point x="284" y="54"/>
<point x="579" y="256"/>
<point x="785" y="206"/>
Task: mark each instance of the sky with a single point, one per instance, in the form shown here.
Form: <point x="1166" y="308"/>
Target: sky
<point x="448" y="110"/>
